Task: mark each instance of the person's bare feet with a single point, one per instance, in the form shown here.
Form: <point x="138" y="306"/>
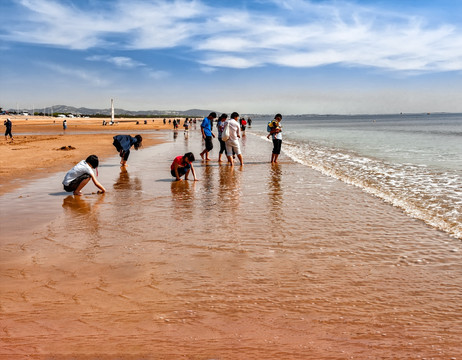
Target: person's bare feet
<point x="78" y="193"/>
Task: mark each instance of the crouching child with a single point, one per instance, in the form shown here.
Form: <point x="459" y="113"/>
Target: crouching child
<point x="80" y="175"/>
<point x="182" y="165"/>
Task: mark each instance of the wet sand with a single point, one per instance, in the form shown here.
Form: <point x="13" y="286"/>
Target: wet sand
<point x="41" y="145"/>
<point x="259" y="262"/>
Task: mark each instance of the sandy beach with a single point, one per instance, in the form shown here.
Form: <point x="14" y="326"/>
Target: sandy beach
<point x="256" y="262"/>
<point x="41" y="143"/>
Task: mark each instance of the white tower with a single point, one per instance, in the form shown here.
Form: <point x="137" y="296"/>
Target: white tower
<point x="112" y="111"/>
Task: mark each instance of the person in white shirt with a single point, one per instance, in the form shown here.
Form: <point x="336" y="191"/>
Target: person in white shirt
<point x="80" y="175"/>
<point x="232" y="144"/>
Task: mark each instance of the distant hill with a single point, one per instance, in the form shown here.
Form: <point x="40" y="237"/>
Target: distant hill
<point x="64" y="109"/>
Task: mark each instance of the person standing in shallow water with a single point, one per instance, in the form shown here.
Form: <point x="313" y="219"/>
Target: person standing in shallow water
<point x="276" y="134"/>
<point x="123" y="143"/>
<point x="232" y="144"/>
<point x="220" y="127"/>
<point x="207" y="134"/>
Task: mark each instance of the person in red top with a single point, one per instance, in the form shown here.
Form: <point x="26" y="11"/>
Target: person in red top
<point x="182" y="165"/>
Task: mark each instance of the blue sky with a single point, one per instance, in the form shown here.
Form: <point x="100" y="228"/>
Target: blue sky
<point x="263" y="56"/>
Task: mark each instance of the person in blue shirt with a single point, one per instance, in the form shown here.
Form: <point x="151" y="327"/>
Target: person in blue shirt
<point x="207" y="134"/>
<point x="123" y="143"/>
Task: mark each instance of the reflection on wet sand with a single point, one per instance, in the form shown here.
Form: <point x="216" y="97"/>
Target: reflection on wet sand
<point x="124" y="182"/>
<point x="183" y="198"/>
<point x="82" y="215"/>
<point x="230" y="188"/>
<point x="275" y="191"/>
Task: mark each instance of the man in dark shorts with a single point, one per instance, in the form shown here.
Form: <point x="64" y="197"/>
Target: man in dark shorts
<point x="8" y="125"/>
<point x="207" y="134"/>
<point x="276" y="134"/>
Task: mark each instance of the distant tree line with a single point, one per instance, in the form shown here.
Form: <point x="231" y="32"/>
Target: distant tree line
<point x="105" y="116"/>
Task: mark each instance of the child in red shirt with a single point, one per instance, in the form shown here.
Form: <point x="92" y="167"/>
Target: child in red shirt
<point x="182" y="165"/>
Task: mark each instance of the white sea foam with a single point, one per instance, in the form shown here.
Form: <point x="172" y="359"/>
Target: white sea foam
<point x="432" y="196"/>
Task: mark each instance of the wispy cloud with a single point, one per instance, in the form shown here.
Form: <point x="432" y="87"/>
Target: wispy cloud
<point x="299" y="34"/>
<point x="124" y="62"/>
<point x="157" y="74"/>
<point x="119" y="61"/>
<point x="72" y="74"/>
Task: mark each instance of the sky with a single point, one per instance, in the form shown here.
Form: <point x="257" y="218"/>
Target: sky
<point x="261" y="56"/>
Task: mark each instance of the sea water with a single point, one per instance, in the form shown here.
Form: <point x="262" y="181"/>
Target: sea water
<point x="413" y="161"/>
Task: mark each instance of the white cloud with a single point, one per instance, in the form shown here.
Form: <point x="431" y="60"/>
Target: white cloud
<point x="119" y="61"/>
<point x="301" y="34"/>
<point x="236" y="62"/>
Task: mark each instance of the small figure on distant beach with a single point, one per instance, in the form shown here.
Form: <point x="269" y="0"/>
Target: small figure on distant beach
<point x="80" y="175"/>
<point x="275" y="131"/>
<point x="232" y="144"/>
<point x="220" y="127"/>
<point x="207" y="135"/>
<point x="186" y="126"/>
<point x="243" y="124"/>
<point x="182" y="165"/>
<point x="64" y="124"/>
<point x="8" y="125"/>
<point x="123" y="143"/>
<point x="249" y="122"/>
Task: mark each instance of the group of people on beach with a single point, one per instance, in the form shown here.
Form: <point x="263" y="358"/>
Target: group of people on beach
<point x="81" y="174"/>
<point x="229" y="133"/>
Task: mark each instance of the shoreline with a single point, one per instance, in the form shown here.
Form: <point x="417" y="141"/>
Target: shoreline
<point x="42" y="144"/>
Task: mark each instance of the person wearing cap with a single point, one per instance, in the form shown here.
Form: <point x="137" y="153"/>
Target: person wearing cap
<point x="207" y="134"/>
<point x="80" y="175"/>
<point x="123" y="143"/>
<point x="276" y="134"/>
<point x="8" y="124"/>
